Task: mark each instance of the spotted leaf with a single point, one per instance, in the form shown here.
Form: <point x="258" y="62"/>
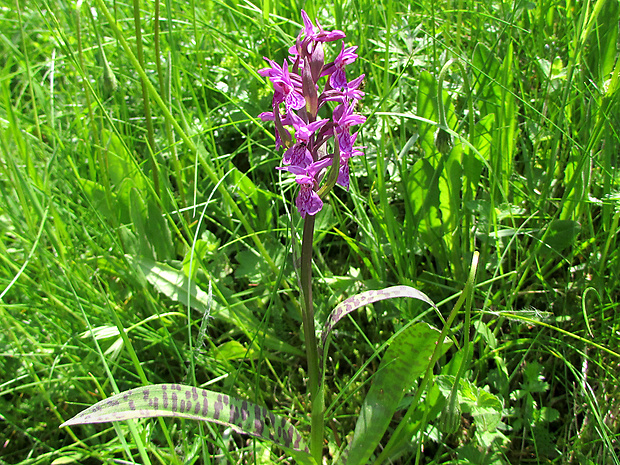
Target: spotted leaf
<point x="176" y="400"/>
<point x="365" y="298"/>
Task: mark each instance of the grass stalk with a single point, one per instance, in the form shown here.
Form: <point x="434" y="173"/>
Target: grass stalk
<point x="145" y="95"/>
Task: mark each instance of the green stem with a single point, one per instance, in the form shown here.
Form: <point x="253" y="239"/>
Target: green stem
<point x="312" y="353"/>
<point x="145" y="97"/>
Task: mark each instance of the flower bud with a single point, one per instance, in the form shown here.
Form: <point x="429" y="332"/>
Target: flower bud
<point x="443" y="141"/>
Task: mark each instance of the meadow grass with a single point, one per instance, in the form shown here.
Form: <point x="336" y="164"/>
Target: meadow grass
<point x="131" y="155"/>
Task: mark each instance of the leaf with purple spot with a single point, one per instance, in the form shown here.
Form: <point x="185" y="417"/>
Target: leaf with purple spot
<point x="177" y="400"/>
<point x="365" y="298"/>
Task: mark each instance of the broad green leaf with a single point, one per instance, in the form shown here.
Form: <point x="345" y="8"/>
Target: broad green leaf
<point x="406" y="358"/>
<point x="423" y="192"/>
<point x="427" y="108"/>
<point x="96" y="195"/>
<point x="172" y="283"/>
<point x="233" y="350"/>
<point x="577" y="179"/>
<point x="486" y="408"/>
<point x="176" y="400"/>
<point x="507" y="122"/>
<point x="137" y="210"/>
<point x="365" y="298"/>
<point x="257" y="201"/>
<point x="251" y="266"/>
<point x="175" y="285"/>
<point x="486" y="69"/>
<point x="158" y="231"/>
<point x="121" y="165"/>
<point x="561" y="234"/>
<point x="601" y="52"/>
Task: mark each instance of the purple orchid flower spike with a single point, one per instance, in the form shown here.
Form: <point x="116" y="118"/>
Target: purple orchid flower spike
<point x="307" y="155"/>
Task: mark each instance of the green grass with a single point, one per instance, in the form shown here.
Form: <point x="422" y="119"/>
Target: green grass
<point x="116" y="163"/>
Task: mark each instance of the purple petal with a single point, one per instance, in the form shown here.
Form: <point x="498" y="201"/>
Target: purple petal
<point x="308" y="26"/>
<point x="294" y="100"/>
<point x="343" y="174"/>
<point x="338" y="79"/>
<point x="317" y="166"/>
<point x="308" y="201"/>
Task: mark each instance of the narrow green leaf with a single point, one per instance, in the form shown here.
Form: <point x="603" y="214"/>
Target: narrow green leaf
<point x="176" y="400"/>
<point x="406" y="358"/>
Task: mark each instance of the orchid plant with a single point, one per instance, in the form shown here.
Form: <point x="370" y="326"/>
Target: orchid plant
<point x="313" y="111"/>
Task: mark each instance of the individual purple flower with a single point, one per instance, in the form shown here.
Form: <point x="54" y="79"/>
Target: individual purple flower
<point x="349" y="93"/>
<point x="320" y="35"/>
<point x="308" y="201"/>
<point x="346" y="143"/>
<point x="309" y="46"/>
<point x="284" y="89"/>
<point x="303" y="130"/>
<point x="335" y="70"/>
<point x="343" y="173"/>
<point x="344" y="117"/>
<point x="346" y="140"/>
<point x="351" y="89"/>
